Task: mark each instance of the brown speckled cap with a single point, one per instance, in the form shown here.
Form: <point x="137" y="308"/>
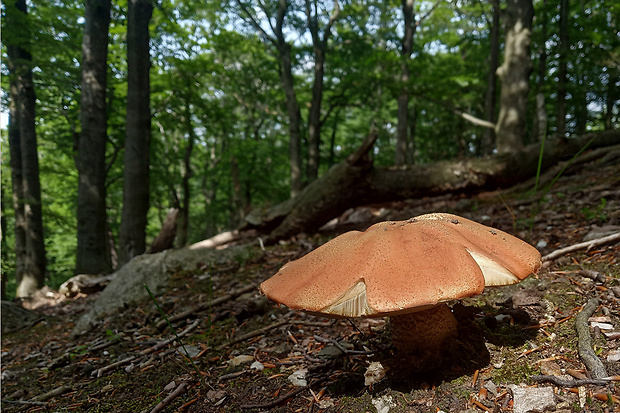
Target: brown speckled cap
<point x="397" y="267"/>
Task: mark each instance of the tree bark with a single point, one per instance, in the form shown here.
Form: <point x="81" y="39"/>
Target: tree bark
<point x="514" y="75"/>
<point x="488" y="140"/>
<point x="136" y="190"/>
<point x="292" y="107"/>
<point x="286" y="77"/>
<point x="314" y="117"/>
<point x="356" y="182"/>
<point x="183" y="216"/>
<point x="31" y="275"/>
<point x="562" y="64"/>
<point x="92" y="249"/>
<point x="539" y="124"/>
<point x="400" y="153"/>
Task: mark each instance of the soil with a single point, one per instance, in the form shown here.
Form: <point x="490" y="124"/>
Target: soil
<point x="243" y="354"/>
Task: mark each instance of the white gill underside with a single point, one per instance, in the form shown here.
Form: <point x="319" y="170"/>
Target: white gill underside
<point x="494" y="274"/>
<point x="352" y="304"/>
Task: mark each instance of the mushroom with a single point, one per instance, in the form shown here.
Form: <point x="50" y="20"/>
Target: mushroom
<point x="406" y="270"/>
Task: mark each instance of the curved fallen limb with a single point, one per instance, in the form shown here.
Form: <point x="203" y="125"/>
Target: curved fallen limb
<point x="593" y="363"/>
<point x="582" y="245"/>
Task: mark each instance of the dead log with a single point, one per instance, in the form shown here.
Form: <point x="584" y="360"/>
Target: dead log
<point x="167" y="234"/>
<point x="355" y="182"/>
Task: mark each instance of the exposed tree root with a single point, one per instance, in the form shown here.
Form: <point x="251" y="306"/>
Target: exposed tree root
<point x="593" y="363"/>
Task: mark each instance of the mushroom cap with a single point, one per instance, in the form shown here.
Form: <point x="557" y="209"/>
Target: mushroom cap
<point x="397" y="267"/>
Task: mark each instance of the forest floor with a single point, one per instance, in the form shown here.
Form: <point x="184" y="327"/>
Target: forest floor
<point x="246" y="354"/>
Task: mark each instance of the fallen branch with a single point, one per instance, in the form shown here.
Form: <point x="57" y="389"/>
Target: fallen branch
<point x="254" y="333"/>
<point x="279" y="400"/>
<point x="570" y="383"/>
<point x="52" y="393"/>
<point x="164" y="343"/>
<point x="263" y="330"/>
<point x="593" y="363"/>
<point x="583" y="245"/>
<point x="207" y="305"/>
<point x="176" y="393"/>
<point x="112" y="366"/>
<point x="26" y="402"/>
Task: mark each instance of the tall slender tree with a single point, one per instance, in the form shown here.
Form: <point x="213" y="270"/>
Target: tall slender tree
<point x="138" y="134"/>
<point x="400" y="155"/>
<point x="319" y="45"/>
<point x="278" y="40"/>
<point x="92" y="249"/>
<point x="563" y="49"/>
<point x="488" y="139"/>
<point x="514" y="75"/>
<point x="30" y="249"/>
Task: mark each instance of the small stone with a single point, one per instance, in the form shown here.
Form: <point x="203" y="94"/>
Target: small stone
<point x="541" y="244"/>
<point x="532" y="399"/>
<point x="550" y="368"/>
<point x="242" y="359"/>
<point x="613" y="355"/>
<point x="298" y="378"/>
<point x="383" y="403"/>
<point x="330" y="352"/>
<point x="257" y="365"/>
<point x="374" y="373"/>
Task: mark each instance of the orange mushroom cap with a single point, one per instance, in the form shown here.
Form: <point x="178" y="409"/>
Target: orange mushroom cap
<point x="397" y="267"/>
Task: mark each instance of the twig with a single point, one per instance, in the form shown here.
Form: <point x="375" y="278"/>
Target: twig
<point x="52" y="393"/>
<point x="164" y="343"/>
<point x="589" y="358"/>
<point x="232" y="375"/>
<point x="340" y="347"/>
<point x="206" y="305"/>
<point x="176" y="393"/>
<point x="112" y="366"/>
<point x="28" y="402"/>
<point x="583" y="245"/>
<point x="570" y="383"/>
<point x="279" y="400"/>
<point x="254" y="333"/>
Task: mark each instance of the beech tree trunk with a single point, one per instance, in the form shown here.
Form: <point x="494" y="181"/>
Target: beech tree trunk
<point x="562" y="63"/>
<point x="30" y="247"/>
<point x="488" y="140"/>
<point x="400" y="154"/>
<point x="92" y="249"/>
<point x="356" y="182"/>
<point x="314" y="117"/>
<point x="539" y="124"/>
<point x="136" y="189"/>
<point x="292" y="107"/>
<point x="514" y="75"/>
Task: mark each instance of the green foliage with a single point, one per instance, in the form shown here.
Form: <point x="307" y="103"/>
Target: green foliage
<point x="216" y="79"/>
<point x="597" y="212"/>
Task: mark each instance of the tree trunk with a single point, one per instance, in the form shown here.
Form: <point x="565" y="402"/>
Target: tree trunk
<point x="611" y="99"/>
<point x="136" y="189"/>
<point x="488" y="140"/>
<point x="514" y="75"/>
<point x="183" y="216"/>
<point x="292" y="107"/>
<point x="356" y="182"/>
<point x="562" y="63"/>
<point x="31" y="275"/>
<point x="17" y="181"/>
<point x="539" y="125"/>
<point x="400" y="153"/>
<point x="92" y="250"/>
<point x="314" y="117"/>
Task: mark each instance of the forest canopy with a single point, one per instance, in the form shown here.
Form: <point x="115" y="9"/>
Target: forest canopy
<point x="250" y="101"/>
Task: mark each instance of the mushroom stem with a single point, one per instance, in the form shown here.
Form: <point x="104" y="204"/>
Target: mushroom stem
<point x="423" y="330"/>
